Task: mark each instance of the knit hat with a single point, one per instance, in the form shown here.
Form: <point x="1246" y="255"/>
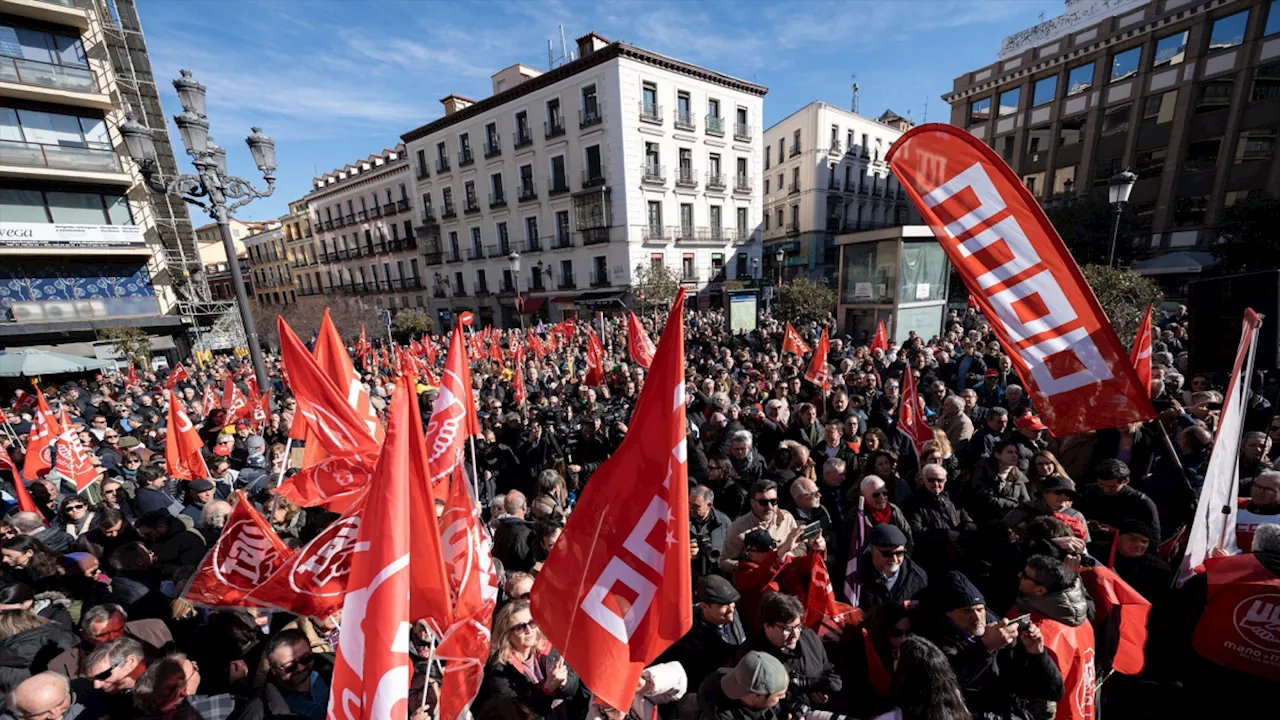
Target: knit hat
<point x="956" y="591"/>
<point x="1138" y="527"/>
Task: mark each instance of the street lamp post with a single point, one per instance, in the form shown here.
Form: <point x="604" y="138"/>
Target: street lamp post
<point x="514" y="260"/>
<point x="211" y="182"/>
<point x="1120" y="187"/>
<point x="779" y="255"/>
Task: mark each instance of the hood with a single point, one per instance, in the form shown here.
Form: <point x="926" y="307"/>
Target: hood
<point x="1069" y="607"/>
<point x="22" y="650"/>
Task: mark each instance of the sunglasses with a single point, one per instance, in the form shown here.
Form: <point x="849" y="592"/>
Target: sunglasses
<point x="521" y="596"/>
<point x="1024" y="576"/>
<point x="892" y="553"/>
<point x="80" y="507"/>
<point x="765" y="501"/>
<point x="102" y="676"/>
<point x="880" y="494"/>
<point x="524" y="627"/>
<point x="298" y="664"/>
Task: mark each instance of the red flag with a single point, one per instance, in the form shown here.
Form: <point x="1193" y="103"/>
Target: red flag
<point x="209" y="400"/>
<point x="793" y="343"/>
<point x="495" y="349"/>
<point x="178" y="375"/>
<point x="595" y="360"/>
<point x="451" y="415"/>
<point x="372" y="669"/>
<point x="260" y="414"/>
<point x="1112" y="594"/>
<point x="133" y="375"/>
<point x="44" y="429"/>
<point x="518" y="389"/>
<point x="183" y="458"/>
<point x="911" y="412"/>
<point x="332" y="358"/>
<point x="464" y="650"/>
<point x="25" y="502"/>
<point x="565" y="328"/>
<point x="246" y="553"/>
<point x="1023" y="278"/>
<point x="363" y="348"/>
<point x="312" y="581"/>
<point x="73" y="460"/>
<point x="468" y="551"/>
<point x="335" y="482"/>
<point x="614" y="592"/>
<point x="23" y="400"/>
<point x="233" y="401"/>
<point x="1140" y="353"/>
<point x="639" y="345"/>
<point x="881" y="339"/>
<point x="818" y="373"/>
<point x="429" y="347"/>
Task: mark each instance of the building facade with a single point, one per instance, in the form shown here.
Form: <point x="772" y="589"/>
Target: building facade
<point x="640" y="159"/>
<point x="825" y="174"/>
<point x="273" y="282"/>
<point x="221" y="286"/>
<point x="209" y="238"/>
<point x="364" y="222"/>
<point x="83" y="243"/>
<point x="1185" y="93"/>
<point x="302" y="251"/>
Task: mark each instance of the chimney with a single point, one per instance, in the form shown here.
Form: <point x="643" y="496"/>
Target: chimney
<point x="590" y="43"/>
<point x="454" y="103"/>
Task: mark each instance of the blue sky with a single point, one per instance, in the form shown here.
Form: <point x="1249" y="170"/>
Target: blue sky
<point x="335" y="80"/>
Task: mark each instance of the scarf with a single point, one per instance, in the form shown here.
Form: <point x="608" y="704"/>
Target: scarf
<point x="880" y="517"/>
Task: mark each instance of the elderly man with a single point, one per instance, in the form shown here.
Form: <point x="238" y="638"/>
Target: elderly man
<point x="717" y="635"/>
<point x="32" y="525"/>
<point x="1261" y="508"/>
<point x="808" y="507"/>
<point x="103" y="623"/>
<point x="764" y="514"/>
<point x="46" y="696"/>
<point x="213" y="519"/>
<point x="707" y="530"/>
<point x="168" y="690"/>
<point x="878" y="510"/>
<point x="513" y="542"/>
<point x="935" y="520"/>
<point x="887" y="575"/>
<point x="953" y="421"/>
<point x="748" y="466"/>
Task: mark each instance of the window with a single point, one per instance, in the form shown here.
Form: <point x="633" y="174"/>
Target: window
<point x="1064" y="179"/>
<point x="768" y="157"/>
<point x="713" y="167"/>
<point x="713" y="108"/>
<point x="1104" y="169"/>
<point x="442" y="154"/>
<point x="1266" y="78"/>
<point x="1158" y="109"/>
<point x="526" y="179"/>
<point x="686" y="219"/>
<point x="766" y="222"/>
<point x="1115" y="120"/>
<point x="684" y="111"/>
<point x="1044" y="91"/>
<point x="1079" y="79"/>
<point x="595" y="170"/>
<point x="742" y="171"/>
<point x="766" y="186"/>
<point x="559" y="179"/>
<point x="717" y="266"/>
<point x="1006" y="152"/>
<point x="1030" y="182"/>
<point x="795" y="143"/>
<point x="1072" y="132"/>
<point x="1255" y="145"/>
<point x="477" y="243"/>
<point x="46" y="128"/>
<point x="27" y="44"/>
<point x="1038" y="140"/>
<point x="555" y="120"/>
<point x="495" y="187"/>
<point x="688" y="270"/>
<point x="482" y="284"/>
<point x="491" y="142"/>
<point x="1202" y="154"/>
<point x="655" y="216"/>
<point x="422" y="163"/>
<point x="795" y="179"/>
<point x="562" y="227"/>
<point x="1273" y="18"/>
<point x="1214" y="95"/>
<point x="464" y="147"/>
<point x="743" y="223"/>
<point x="1125" y="64"/>
<point x="717" y="219"/>
<point x="1190" y="210"/>
<point x="470" y="189"/>
<point x="446" y="197"/>
<point x="504" y="239"/>
<point x="835" y="137"/>
<point x="590" y="107"/>
<point x="780" y="219"/>
<point x="522" y="127"/>
<point x="459" y="285"/>
<point x="531" y="231"/>
<point x="1170" y="50"/>
<point x="1009" y="101"/>
<point x="1150" y="163"/>
<point x="1228" y="31"/>
<point x="979" y="111"/>
<point x="649" y="96"/>
<point x="73" y="208"/>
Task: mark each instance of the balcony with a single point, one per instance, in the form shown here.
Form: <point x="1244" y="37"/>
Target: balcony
<point x="497" y="200"/>
<point x="454" y="257"/>
<point x="599" y="279"/>
<point x="428" y="216"/>
<point x="492" y="149"/>
<point x="375" y="211"/>
<point x="553" y="127"/>
<point x="714" y="125"/>
<point x="362" y="215"/>
<point x="466" y="157"/>
<point x="686" y="177"/>
<point x="438" y="292"/>
<point x="403" y="205"/>
<point x="62" y="12"/>
<point x="654" y="234"/>
<point x="682" y="233"/>
<point x="522" y="138"/>
<point x="470" y="207"/>
<point x="442" y="165"/>
<point x="528" y="191"/>
<point x="562" y="241"/>
<point x="475" y="253"/>
<point x="690" y="275"/>
<point x="834" y="148"/>
<point x="793" y="227"/>
<point x="715" y="181"/>
<point x="594" y="236"/>
<point x="423" y="173"/>
<point x="327" y="224"/>
<point x="461" y="291"/>
<point x="851" y="186"/>
<point x="650" y="113"/>
<point x="559" y="186"/>
<point x="685" y="120"/>
<point x="794" y="151"/>
<point x="567" y="282"/>
<point x="339" y="223"/>
<point x="654" y="173"/>
<point x="56" y="157"/>
<point x="434" y="257"/>
<point x="351" y="219"/>
<point x="537" y="285"/>
<point x="864" y="191"/>
<point x="589" y="116"/>
<point x="389" y="209"/>
<point x="900" y="195"/>
<point x="498" y="250"/>
<point x="741" y="236"/>
<point x="482" y="289"/>
<point x="793" y="188"/>
<point x="742" y="184"/>
<point x="741" y="131"/>
<point x="448" y="213"/>
<point x="413" y="283"/>
<point x="533" y="245"/>
<point x="60" y="78"/>
<point x="592" y="177"/>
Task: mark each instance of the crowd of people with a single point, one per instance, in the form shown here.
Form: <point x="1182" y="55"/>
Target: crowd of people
<point x="963" y="557"/>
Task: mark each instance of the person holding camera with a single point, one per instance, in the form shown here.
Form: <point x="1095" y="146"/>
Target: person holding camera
<point x="1001" y="664"/>
<point x="707" y="530"/>
<point x="814" y="681"/>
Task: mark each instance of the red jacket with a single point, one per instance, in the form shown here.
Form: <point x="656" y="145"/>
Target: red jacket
<point x="1240" y="627"/>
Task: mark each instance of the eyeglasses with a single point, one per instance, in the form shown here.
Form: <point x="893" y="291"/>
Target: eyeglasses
<point x="521" y="596"/>
<point x="524" y="627"/>
<point x="110" y="437"/>
<point x="892" y="553"/>
<point x="102" y="676"/>
<point x="1022" y="574"/>
<point x="298" y="663"/>
<point x="880" y="494"/>
<point x="80" y="507"/>
<point x="791" y="629"/>
<point x="765" y="501"/>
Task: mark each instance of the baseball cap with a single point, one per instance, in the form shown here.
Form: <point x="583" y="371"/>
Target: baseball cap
<point x="991" y="372"/>
<point x="755" y="674"/>
<point x="1030" y="421"/>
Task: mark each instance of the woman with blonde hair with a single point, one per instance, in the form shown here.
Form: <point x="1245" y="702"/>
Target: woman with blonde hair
<point x="524" y="667"/>
<point x="27" y="643"/>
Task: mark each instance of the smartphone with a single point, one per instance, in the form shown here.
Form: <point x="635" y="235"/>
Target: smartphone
<point x="1022" y="621"/>
<point x="811" y="530"/>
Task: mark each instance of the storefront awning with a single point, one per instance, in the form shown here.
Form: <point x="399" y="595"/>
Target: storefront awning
<point x="1176" y="262"/>
<point x="533" y="304"/>
<point x="600" y="296"/>
<point x="563" y="299"/>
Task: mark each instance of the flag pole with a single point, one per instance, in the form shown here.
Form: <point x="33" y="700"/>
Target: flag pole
<point x="14" y="434"/>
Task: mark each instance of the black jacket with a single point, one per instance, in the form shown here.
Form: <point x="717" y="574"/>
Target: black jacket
<point x="910" y="582"/>
<point x="731" y="498"/>
<point x="709" y="536"/>
<point x="1114" y="510"/>
<point x="508" y="681"/>
<point x="936" y="524"/>
<point x="810" y="669"/>
<point x="988" y="498"/>
<point x="513" y="544"/>
<point x="713" y="704"/>
<point x="706" y="647"/>
<point x="997" y="684"/>
<point x="55" y="538"/>
<point x="29" y="652"/>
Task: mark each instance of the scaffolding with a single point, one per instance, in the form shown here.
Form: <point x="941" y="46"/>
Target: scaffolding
<point x="214" y="324"/>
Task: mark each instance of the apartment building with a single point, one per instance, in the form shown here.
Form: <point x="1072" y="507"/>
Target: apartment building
<point x="1184" y="93"/>
<point x="302" y="251"/>
<point x="824" y="175"/>
<point x="83" y="244"/>
<point x="363" y="218"/>
<point x="209" y="238"/>
<point x="269" y="266"/>
<point x="640" y="158"/>
<point x="222" y="286"/>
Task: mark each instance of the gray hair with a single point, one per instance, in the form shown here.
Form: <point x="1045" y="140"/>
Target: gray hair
<point x="740" y="436"/>
<point x="868" y="481"/>
<point x="953" y="401"/>
<point x="1267" y="538"/>
<point x="215" y="514"/>
<point x="1013" y="387"/>
<point x="774" y="403"/>
<point x="1254" y="435"/>
<point x="26" y="522"/>
<point x="924" y="471"/>
<point x="702" y="492"/>
<point x="102" y="613"/>
<point x="114" y="653"/>
<point x="836" y="464"/>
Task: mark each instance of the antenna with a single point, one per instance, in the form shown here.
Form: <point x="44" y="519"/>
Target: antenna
<point x="565" y="56"/>
<point x="926" y="109"/>
<point x="854" y="78"/>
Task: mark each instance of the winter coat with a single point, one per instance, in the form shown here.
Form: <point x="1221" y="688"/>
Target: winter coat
<point x="271" y="702"/>
<point x="709" y="535"/>
<point x="513" y="544"/>
<point x="29" y="652"/>
<point x="936" y="524"/>
<point x="808" y="666"/>
<point x="1114" y="510"/>
<point x="910" y="583"/>
<point x="988" y="498"/>
<point x="508" y="680"/>
<point x="713" y="704"/>
<point x="706" y="647"/>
